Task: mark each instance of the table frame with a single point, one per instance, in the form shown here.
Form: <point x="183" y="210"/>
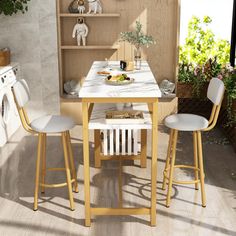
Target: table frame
<point x="99" y="157"/>
<point x="87" y="107"/>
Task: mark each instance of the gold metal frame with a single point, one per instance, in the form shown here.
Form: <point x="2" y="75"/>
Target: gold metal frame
<point x="99" y="157"/>
<point x="41" y="160"/>
<point x="89" y="211"/>
<point x="198" y="158"/>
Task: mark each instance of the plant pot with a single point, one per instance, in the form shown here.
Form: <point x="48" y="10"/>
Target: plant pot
<point x="185" y="90"/>
<point x="5" y="57"/>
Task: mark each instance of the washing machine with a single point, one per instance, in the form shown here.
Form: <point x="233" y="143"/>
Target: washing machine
<point x="9" y="117"/>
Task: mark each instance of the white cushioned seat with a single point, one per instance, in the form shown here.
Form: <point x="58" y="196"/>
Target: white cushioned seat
<point x="186" y="122"/>
<point x="52" y="124"/>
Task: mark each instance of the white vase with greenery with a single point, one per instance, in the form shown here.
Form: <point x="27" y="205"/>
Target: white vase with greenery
<point x="139" y="40"/>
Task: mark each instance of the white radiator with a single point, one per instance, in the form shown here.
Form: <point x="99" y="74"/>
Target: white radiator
<point x="120" y="142"/>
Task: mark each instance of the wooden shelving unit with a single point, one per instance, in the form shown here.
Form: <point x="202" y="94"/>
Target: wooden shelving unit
<point x="89" y="15"/>
<point x="75" y="61"/>
<point x="90" y="47"/>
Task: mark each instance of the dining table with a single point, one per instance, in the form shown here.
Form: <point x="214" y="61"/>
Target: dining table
<point x="143" y="89"/>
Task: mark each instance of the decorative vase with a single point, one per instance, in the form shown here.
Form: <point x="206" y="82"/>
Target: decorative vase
<point x="137" y="58"/>
<point x="73" y="7"/>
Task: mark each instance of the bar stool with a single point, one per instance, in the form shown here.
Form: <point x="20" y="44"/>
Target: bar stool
<point x="195" y="124"/>
<point x="41" y="127"/>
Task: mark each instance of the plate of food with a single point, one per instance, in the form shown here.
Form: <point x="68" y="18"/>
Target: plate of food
<point x="120" y="79"/>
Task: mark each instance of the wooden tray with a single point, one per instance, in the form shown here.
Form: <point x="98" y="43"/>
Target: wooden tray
<point x="124" y="117"/>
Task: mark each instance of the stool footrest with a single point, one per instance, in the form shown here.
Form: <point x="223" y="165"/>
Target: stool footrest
<point x="56" y="169"/>
<point x="56" y="185"/>
<point x="179" y="181"/>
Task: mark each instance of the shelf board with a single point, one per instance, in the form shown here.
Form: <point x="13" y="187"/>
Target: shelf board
<point x="69" y="98"/>
<point x="90" y="15"/>
<point x="99" y="47"/>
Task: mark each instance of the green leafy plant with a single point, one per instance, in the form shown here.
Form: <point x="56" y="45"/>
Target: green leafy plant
<point x="198" y="75"/>
<point x="10" y="7"/>
<point x="202" y="54"/>
<point x="201" y="44"/>
<point x="203" y="57"/>
<point x="228" y="75"/>
<point x="137" y="37"/>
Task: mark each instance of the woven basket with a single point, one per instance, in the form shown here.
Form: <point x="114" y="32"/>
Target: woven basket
<point x="5" y="57"/>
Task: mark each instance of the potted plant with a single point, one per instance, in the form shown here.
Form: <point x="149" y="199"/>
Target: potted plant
<point x="193" y="81"/>
<point x="138" y="39"/>
<point x="10" y="7"/>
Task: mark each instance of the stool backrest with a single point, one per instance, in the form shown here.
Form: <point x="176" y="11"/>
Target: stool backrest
<point x="215" y="94"/>
<point x="21" y="94"/>
<point x="215" y="91"/>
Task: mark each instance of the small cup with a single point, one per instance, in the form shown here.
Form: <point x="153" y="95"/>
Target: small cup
<point x="128" y="104"/>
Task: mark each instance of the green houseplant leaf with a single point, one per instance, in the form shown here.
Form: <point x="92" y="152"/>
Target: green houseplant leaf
<point x="137" y="37"/>
<point x="10" y="7"/>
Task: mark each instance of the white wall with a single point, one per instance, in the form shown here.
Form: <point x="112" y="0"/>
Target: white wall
<point x="32" y="38"/>
<point x="219" y="10"/>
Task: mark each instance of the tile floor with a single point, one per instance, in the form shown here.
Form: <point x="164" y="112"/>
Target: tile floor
<point x="184" y="217"/>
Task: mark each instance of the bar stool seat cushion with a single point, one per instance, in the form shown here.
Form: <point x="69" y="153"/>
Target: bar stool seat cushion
<point x="186" y="122"/>
<point x="52" y="124"/>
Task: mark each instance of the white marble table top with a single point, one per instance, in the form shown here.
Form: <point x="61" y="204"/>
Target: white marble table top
<point x="98" y="117"/>
<point x="144" y="86"/>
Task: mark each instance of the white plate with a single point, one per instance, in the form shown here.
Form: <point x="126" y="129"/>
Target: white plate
<point x="119" y="83"/>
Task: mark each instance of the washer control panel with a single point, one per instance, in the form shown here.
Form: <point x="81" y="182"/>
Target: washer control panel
<point x="9" y="74"/>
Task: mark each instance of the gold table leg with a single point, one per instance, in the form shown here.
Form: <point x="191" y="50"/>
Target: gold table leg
<point x="97" y="148"/>
<point x="86" y="164"/>
<point x="143" y="162"/>
<point x="120" y="179"/>
<point x="153" y="107"/>
<point x="154" y="162"/>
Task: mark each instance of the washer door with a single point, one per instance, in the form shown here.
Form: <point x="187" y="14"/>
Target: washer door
<point x="5" y="108"/>
<point x="3" y="117"/>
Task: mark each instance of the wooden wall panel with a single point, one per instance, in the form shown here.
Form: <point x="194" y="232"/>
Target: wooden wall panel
<point x="160" y="19"/>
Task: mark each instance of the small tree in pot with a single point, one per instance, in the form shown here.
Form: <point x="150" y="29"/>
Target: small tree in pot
<point x="10" y="7"/>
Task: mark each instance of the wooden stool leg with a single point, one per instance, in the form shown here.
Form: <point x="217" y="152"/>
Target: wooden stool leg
<point x="72" y="161"/>
<point x="39" y="153"/>
<point x="68" y="176"/>
<point x="43" y="175"/>
<point x="167" y="165"/>
<point x="97" y="148"/>
<point x="143" y="162"/>
<point x="175" y="136"/>
<point x="199" y="139"/>
<point x="195" y="147"/>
